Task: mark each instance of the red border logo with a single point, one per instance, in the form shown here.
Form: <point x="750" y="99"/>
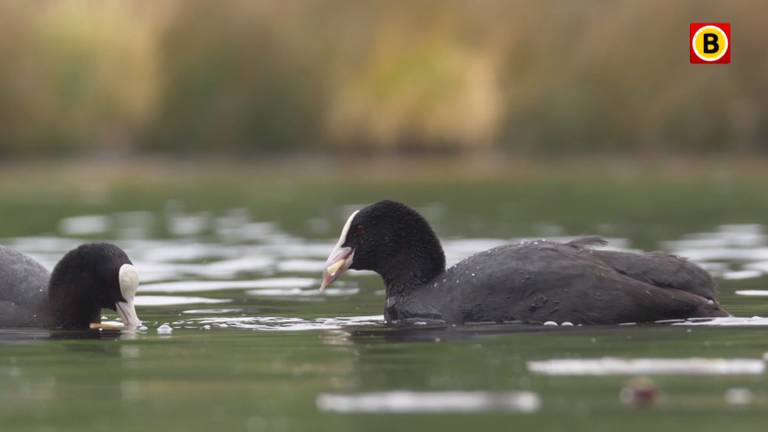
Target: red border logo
<point x="710" y="43"/>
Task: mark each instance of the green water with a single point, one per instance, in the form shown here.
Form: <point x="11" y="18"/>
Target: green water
<point x="261" y="375"/>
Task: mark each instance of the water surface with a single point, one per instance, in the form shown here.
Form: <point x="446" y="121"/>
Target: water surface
<point x="238" y="338"/>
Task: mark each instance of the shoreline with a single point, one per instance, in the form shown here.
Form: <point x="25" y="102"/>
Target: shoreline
<point x="360" y="168"/>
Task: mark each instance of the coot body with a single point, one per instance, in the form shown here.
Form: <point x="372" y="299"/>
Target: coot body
<point x="533" y="282"/>
<point x="87" y="279"/>
<point x="23" y="290"/>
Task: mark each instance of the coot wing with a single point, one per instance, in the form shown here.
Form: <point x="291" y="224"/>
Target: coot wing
<point x="661" y="270"/>
<point x="607" y="298"/>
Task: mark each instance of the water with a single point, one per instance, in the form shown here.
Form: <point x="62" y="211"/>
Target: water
<point x="238" y="338"/>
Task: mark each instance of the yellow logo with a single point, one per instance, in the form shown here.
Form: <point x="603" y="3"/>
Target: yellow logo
<point x="710" y="43"/>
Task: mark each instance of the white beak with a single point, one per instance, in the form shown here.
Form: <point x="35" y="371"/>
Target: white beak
<point x="129" y="284"/>
<point x="337" y="263"/>
<point x="340" y="258"/>
<point x="127" y="312"/>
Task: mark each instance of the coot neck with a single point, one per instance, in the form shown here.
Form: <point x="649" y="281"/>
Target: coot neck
<point x="71" y="308"/>
<point x="413" y="268"/>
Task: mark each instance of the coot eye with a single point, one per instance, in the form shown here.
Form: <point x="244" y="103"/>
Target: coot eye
<point x="359" y="229"/>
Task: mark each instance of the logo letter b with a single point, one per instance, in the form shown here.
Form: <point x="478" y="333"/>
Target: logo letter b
<point x="711" y="44"/>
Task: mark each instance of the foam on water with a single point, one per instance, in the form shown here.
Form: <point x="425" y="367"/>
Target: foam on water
<point x="413" y="402"/>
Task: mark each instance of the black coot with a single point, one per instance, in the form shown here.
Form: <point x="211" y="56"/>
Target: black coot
<point x="532" y="282"/>
<point x="87" y="279"/>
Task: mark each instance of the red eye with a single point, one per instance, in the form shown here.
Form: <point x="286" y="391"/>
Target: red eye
<point x="359" y="229"/>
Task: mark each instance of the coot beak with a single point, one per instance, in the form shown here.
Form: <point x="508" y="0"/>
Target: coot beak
<point x="129" y="284"/>
<point x="337" y="263"/>
<point x="127" y="312"/>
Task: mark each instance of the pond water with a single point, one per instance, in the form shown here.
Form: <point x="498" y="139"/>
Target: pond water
<point x="238" y="338"/>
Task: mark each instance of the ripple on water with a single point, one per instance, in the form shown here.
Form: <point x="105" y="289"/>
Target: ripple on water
<point x="742" y="274"/>
<point x="211" y="311"/>
<point x="726" y="321"/>
<point x="300" y="265"/>
<point x="175" y="251"/>
<point x="85" y="225"/>
<point x="150" y="300"/>
<point x="752" y="293"/>
<point x="288" y="323"/>
<point x="411" y="402"/>
<point x="647" y="366"/>
<point x="218" y="285"/>
<point x="299" y="292"/>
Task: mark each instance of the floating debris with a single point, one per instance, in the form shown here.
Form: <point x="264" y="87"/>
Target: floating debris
<point x="640" y="392"/>
<point x="738" y="396"/>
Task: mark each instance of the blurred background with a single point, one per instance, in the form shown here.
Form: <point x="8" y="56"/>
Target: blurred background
<point x="341" y="77"/>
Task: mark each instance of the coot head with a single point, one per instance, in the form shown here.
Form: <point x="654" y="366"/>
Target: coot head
<point x="391" y="239"/>
<point x="89" y="278"/>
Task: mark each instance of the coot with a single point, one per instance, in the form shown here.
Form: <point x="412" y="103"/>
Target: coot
<point x="88" y="278"/>
<point x="533" y="282"/>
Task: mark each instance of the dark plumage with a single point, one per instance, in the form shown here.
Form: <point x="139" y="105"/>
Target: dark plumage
<point x="532" y="282"/>
<point x="87" y="279"/>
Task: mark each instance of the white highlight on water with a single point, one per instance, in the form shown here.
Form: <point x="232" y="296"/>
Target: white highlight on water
<point x="413" y="402"/>
<point x="725" y="322"/>
<point x="647" y="366"/>
<point x="146" y="300"/>
<point x="211" y="311"/>
<point x="217" y="285"/>
<point x="289" y="323"/>
<point x="752" y="293"/>
<point x="85" y="225"/>
<point x="298" y="292"/>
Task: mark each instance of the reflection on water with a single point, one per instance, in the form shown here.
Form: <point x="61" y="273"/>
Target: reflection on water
<point x="733" y="251"/>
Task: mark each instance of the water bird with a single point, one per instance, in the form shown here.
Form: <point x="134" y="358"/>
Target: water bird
<point x="87" y="279"/>
<point x="533" y="282"/>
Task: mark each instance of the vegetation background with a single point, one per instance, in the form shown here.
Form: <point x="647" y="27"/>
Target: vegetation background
<point x="340" y="77"/>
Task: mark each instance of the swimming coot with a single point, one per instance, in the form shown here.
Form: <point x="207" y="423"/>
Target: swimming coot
<point x="88" y="278"/>
<point x="533" y="282"/>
